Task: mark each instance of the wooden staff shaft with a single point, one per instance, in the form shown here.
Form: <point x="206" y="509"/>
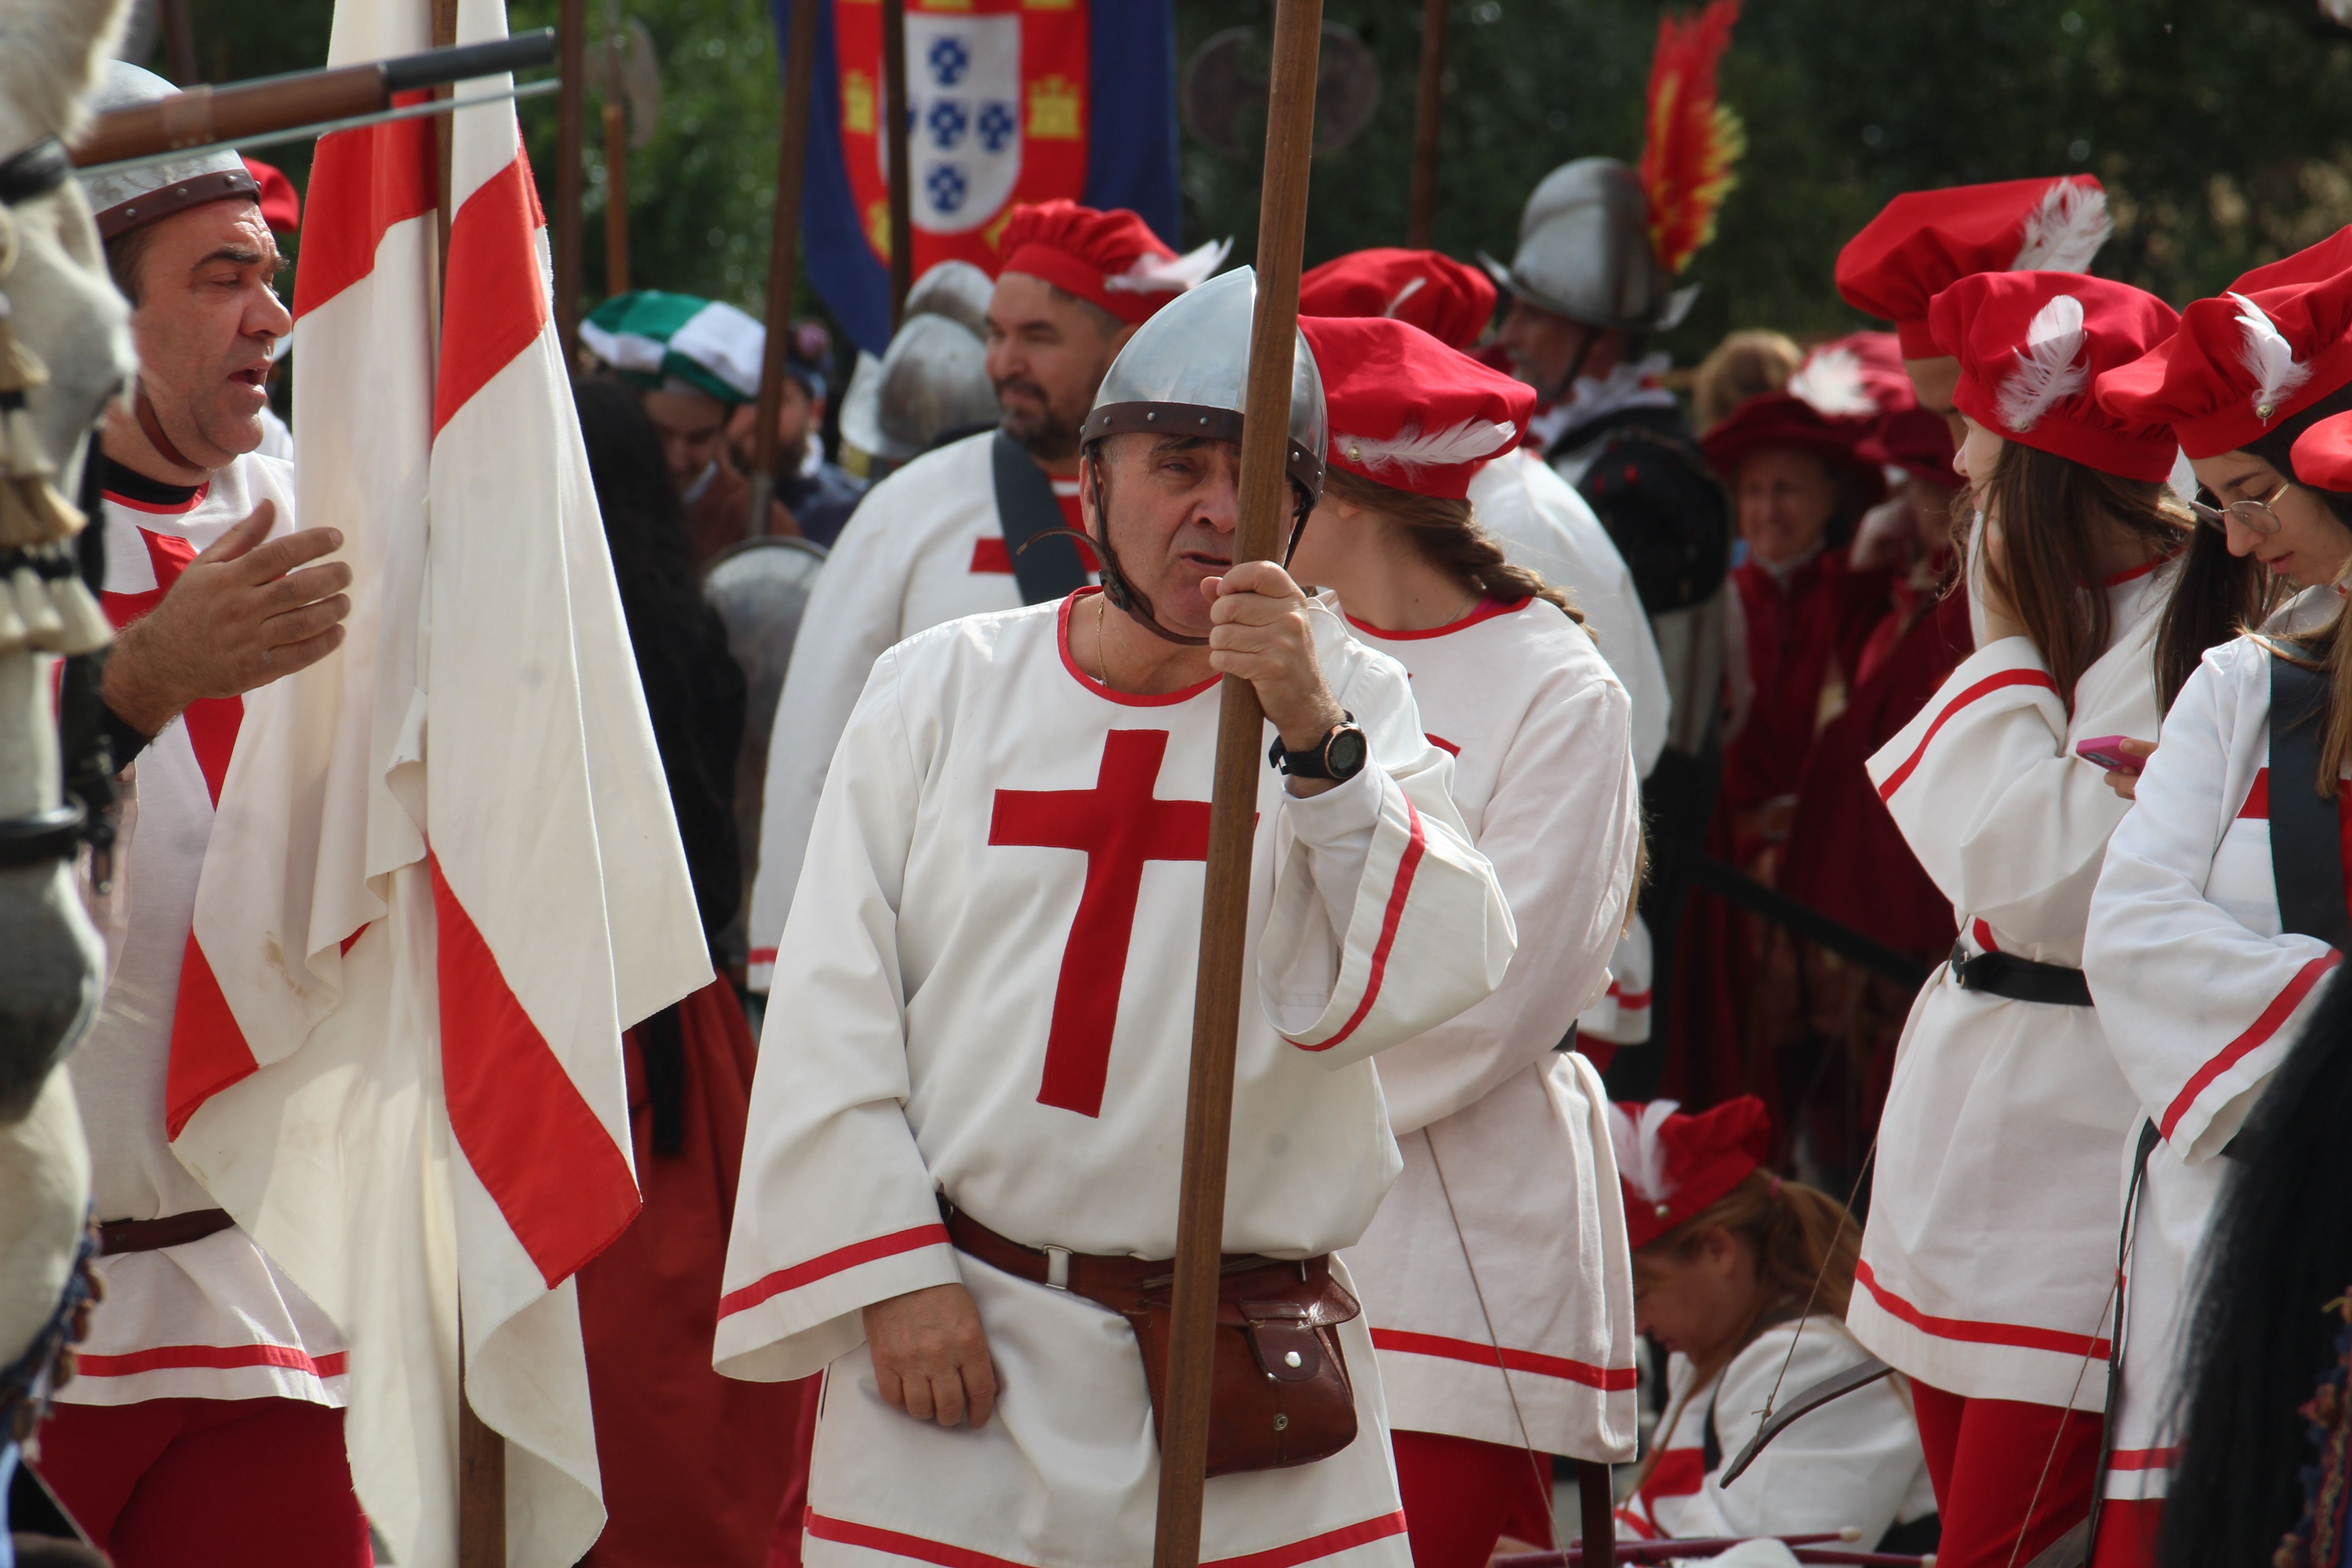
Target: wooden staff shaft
<point x="616" y="197"/>
<point x="570" y="127"/>
<point x="1421" y="218"/>
<point x="783" y="242"/>
<point x="902" y="194"/>
<point x="180" y="42"/>
<point x="1225" y="914"/>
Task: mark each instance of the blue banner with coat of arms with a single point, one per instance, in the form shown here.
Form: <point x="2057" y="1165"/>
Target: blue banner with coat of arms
<point x="1009" y="102"/>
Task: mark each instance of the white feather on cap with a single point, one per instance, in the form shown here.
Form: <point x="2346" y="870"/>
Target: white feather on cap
<point x="1472" y="441"/>
<point x="1831" y="380"/>
<point x="2065" y="231"/>
<point x="2047" y="371"/>
<point x="2269" y="358"/>
<point x="1641" y="1157"/>
<point x="1169" y="274"/>
<point x="1407" y="293"/>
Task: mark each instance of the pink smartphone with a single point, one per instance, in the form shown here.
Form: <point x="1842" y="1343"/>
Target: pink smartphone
<point x="2107" y="750"/>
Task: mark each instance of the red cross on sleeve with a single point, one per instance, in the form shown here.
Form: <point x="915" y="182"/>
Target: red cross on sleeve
<point x="1118" y="825"/>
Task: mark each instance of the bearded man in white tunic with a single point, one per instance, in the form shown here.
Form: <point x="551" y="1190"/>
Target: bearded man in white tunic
<point x="981" y="1030"/>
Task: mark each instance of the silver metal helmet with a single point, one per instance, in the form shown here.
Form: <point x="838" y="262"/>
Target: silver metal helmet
<point x="933" y="378"/>
<point x="1584" y="252"/>
<point x="1186" y="371"/>
<point x="124" y="199"/>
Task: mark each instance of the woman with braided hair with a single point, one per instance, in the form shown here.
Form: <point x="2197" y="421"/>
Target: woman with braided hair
<point x="1494" y="1276"/>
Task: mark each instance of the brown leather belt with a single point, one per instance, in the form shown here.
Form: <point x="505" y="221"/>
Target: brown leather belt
<point x="153" y="1234"/>
<point x="1111" y="1280"/>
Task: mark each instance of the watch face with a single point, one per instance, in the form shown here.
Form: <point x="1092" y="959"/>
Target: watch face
<point x="1346" y="752"/>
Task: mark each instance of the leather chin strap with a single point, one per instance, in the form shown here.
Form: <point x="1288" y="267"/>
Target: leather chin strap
<point x="153" y="429"/>
<point x="1124" y="593"/>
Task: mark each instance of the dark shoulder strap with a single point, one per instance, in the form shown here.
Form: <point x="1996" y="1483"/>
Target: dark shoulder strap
<point x="1710" y="1444"/>
<point x="2306" y="858"/>
<point x="1026" y="507"/>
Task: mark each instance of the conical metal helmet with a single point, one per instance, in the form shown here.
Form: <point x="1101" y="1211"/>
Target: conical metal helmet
<point x="1186" y="372"/>
<point x="1584" y="251"/>
<point x="933" y="378"/>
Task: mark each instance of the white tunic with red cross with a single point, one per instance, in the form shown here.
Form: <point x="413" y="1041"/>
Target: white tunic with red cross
<point x="924" y="547"/>
<point x="1504" y="1240"/>
<point x="2203" y="992"/>
<point x="212" y="1318"/>
<point x="1988" y="1264"/>
<point x="985" y="992"/>
<point x="1852" y="1464"/>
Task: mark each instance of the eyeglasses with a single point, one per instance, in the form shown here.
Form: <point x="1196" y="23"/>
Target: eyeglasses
<point x="2256" y="515"/>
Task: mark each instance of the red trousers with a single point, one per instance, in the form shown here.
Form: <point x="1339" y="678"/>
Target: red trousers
<point x="1461" y="1496"/>
<point x="2010" y="1478"/>
<point x="208" y="1483"/>
<point x="2127" y="1533"/>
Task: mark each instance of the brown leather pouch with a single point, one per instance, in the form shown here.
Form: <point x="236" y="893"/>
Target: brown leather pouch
<point x="1281" y="1395"/>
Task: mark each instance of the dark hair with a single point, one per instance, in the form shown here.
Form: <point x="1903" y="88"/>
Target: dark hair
<point x="2217" y="596"/>
<point x="124" y="252"/>
<point x="1446" y="533"/>
<point x="694" y="690"/>
<point x="2277" y="1252"/>
<point x="2324" y="647"/>
<point x="2050" y="508"/>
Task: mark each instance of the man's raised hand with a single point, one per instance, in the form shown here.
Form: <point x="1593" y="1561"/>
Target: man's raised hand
<point x="245" y="612"/>
<point x="1260" y="631"/>
<point x="931" y="1355"/>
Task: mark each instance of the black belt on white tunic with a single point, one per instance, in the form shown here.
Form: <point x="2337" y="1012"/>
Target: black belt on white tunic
<point x="2019" y="979"/>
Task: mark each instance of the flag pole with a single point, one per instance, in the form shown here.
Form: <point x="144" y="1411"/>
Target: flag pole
<point x="783" y="242"/>
<point x="1422" y="216"/>
<point x="894" y="130"/>
<point x="1241" y="748"/>
<point x="570" y="126"/>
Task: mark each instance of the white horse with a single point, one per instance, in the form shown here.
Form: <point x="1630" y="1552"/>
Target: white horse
<point x="72" y="353"/>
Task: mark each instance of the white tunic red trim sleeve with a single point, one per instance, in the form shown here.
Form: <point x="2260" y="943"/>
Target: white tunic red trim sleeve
<point x="985" y="992"/>
<point x="1854" y="1463"/>
<point x="213" y="1318"/>
<point x="1509" y="1187"/>
<point x="1989" y="1258"/>
<point x="925" y="546"/>
<point x="2202" y="994"/>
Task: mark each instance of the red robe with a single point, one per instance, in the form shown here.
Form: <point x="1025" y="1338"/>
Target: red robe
<point x="1801" y="633"/>
<point x="696" y="1467"/>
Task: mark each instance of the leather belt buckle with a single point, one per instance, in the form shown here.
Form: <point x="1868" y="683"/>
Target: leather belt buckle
<point x="1960" y="964"/>
<point x="1058" y="1266"/>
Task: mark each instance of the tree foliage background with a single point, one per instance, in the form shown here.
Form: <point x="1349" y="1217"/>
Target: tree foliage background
<point x="2223" y="129"/>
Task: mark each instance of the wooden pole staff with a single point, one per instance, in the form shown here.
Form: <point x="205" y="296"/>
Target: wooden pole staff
<point x="902" y="194"/>
<point x="180" y="42"/>
<point x="783" y="241"/>
<point x="1265" y="504"/>
<point x="570" y="126"/>
<point x="1422" y="216"/>
<point x="616" y="193"/>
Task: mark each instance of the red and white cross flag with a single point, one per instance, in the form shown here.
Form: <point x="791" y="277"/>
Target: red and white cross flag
<point x="444" y="874"/>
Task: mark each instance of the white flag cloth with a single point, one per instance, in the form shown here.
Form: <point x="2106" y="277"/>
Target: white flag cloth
<point x="445" y="873"/>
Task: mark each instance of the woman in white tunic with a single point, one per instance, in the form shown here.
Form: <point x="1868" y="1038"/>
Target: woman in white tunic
<point x="2205" y="959"/>
<point x="1988" y="1260"/>
<point x="1495" y="1275"/>
<point x="1728" y="1257"/>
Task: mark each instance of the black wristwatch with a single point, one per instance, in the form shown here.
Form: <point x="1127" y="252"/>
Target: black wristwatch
<point x="1341" y="756"/>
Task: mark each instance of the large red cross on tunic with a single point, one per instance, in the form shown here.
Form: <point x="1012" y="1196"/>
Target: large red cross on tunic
<point x="1119" y="825"/>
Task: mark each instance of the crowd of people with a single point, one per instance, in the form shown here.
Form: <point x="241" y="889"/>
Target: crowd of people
<point x="1907" y="767"/>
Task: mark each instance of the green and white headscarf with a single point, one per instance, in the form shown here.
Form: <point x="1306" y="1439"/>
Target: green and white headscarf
<point x="653" y="337"/>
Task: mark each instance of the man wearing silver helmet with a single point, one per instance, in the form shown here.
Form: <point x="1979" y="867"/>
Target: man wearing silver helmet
<point x="945" y="535"/>
<point x="958" y="1191"/>
<point x="209" y="1403"/>
<point x="1587" y="289"/>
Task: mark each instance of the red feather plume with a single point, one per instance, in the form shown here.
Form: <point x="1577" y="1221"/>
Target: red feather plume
<point x="1692" y="140"/>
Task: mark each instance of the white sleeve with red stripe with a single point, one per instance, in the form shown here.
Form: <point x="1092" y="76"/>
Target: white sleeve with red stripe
<point x="838" y="1209"/>
<point x="2003" y="818"/>
<point x="2200" y="999"/>
<point x="1387" y="920"/>
<point x="1562" y="829"/>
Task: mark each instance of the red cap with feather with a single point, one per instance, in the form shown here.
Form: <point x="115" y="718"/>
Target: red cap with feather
<point x="1859" y="374"/>
<point x="1673" y="1167"/>
<point x="1409" y="412"/>
<point x="1108" y="259"/>
<point x="1924" y="241"/>
<point x="1450" y="301"/>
